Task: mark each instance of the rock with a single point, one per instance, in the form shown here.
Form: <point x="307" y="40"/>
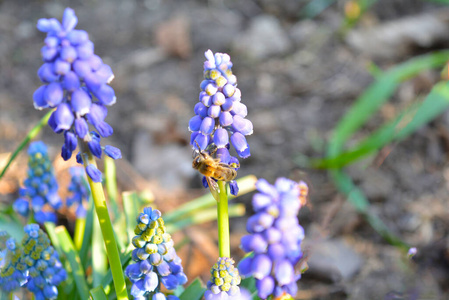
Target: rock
<point x="399" y="38"/>
<point x="174" y="36"/>
<point x="170" y="164"/>
<point x="333" y="260"/>
<point x="265" y="37"/>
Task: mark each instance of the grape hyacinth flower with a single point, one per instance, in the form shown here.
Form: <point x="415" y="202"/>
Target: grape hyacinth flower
<point x="12" y="271"/>
<point x="76" y="84"/>
<point x="275" y="238"/>
<point x="41" y="188"/>
<point x="156" y="261"/>
<point x="224" y="282"/>
<point x="79" y="190"/>
<point x="45" y="271"/>
<point x="219" y="115"/>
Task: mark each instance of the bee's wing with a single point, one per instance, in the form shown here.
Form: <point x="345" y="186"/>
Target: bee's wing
<point x="213" y="186"/>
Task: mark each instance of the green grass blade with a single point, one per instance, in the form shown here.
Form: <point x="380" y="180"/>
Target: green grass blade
<point x="31" y="135"/>
<point x="99" y="258"/>
<point x="436" y="102"/>
<point x="68" y="248"/>
<point x="98" y="293"/>
<point x="205" y="215"/>
<point x="107" y="279"/>
<point x="111" y="184"/>
<point x="194" y="291"/>
<point x="315" y="7"/>
<point x="246" y="185"/>
<point x="130" y="205"/>
<point x="377" y="93"/>
<point x="357" y="198"/>
<point x="87" y="238"/>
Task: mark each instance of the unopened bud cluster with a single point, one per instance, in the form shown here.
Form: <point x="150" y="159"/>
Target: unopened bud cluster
<point x="12" y="271"/>
<point x="224" y="281"/>
<point x="40" y="191"/>
<point x="156" y="261"/>
<point x="34" y="264"/>
<point x="45" y="271"/>
<point x="275" y="238"/>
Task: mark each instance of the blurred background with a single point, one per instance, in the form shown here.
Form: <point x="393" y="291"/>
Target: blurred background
<point x="301" y="65"/>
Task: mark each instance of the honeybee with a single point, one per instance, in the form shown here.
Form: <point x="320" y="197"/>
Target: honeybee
<point x="213" y="170"/>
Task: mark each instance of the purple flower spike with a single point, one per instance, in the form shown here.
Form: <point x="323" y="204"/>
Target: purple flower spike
<point x="273" y="265"/>
<point x="76" y="83"/>
<point x="40" y="188"/>
<point x="219" y="115"/>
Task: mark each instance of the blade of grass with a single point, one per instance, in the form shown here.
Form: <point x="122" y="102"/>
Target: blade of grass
<point x="377" y="93"/>
<point x="435" y="103"/>
<point x="111" y="184"/>
<point x="131" y="212"/>
<point x="203" y="216"/>
<point x="98" y="293"/>
<point x="107" y="279"/>
<point x="31" y="135"/>
<point x="87" y="238"/>
<point x="357" y="198"/>
<point x="99" y="259"/>
<point x="246" y="185"/>
<point x="71" y="255"/>
<point x="315" y="7"/>
<point x="194" y="291"/>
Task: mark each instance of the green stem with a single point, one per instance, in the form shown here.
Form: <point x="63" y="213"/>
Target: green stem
<point x="80" y="227"/>
<point x="224" y="244"/>
<point x="106" y="228"/>
<point x="31" y="135"/>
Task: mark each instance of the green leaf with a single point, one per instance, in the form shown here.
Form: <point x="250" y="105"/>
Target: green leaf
<point x="357" y="198"/>
<point x="31" y="135"/>
<point x="194" y="291"/>
<point x="379" y="92"/>
<point x="107" y="279"/>
<point x="315" y="7"/>
<point x="436" y="102"/>
<point x="71" y="255"/>
<point x="98" y="293"/>
<point x="12" y="226"/>
<point x="130" y="200"/>
<point x="99" y="258"/>
<point x="87" y="238"/>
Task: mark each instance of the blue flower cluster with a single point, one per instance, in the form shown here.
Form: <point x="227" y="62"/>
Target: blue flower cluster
<point x="224" y="281"/>
<point x="41" y="187"/>
<point x="79" y="190"/>
<point x="45" y="271"/>
<point x="219" y="115"/>
<point x="156" y="259"/>
<point x="275" y="238"/>
<point x="76" y="84"/>
<point x="12" y="271"/>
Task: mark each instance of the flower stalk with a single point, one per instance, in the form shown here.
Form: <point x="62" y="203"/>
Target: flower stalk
<point x="223" y="221"/>
<point x="106" y="228"/>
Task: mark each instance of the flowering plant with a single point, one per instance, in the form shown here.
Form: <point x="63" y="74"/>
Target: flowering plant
<point x="94" y="263"/>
